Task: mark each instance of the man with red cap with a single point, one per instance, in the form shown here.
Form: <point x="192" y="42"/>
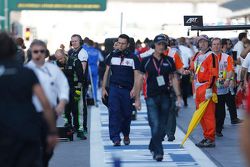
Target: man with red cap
<point x="205" y="67"/>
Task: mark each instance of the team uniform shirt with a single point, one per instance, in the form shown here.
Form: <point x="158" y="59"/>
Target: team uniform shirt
<point x="173" y="53"/>
<point x="53" y="82"/>
<point x="122" y="67"/>
<point x="225" y="66"/>
<point x="73" y="71"/>
<point x="18" y="117"/>
<point x="94" y="55"/>
<point x="157" y="74"/>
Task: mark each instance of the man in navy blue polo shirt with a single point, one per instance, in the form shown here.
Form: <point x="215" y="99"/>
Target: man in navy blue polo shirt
<point x="124" y="86"/>
<point x="160" y="71"/>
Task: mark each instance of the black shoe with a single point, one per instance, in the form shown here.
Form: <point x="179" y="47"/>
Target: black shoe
<point x="81" y="135"/>
<point x="68" y="125"/>
<point x="126" y="140"/>
<point x="158" y="157"/>
<point x="171" y="138"/>
<point x="236" y="121"/>
<point x="205" y="143"/>
<point x="219" y="134"/>
<point x="117" y="143"/>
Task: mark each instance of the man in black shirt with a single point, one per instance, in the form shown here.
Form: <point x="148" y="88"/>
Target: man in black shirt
<point x="159" y="71"/>
<point x="72" y="68"/>
<point x="19" y="122"/>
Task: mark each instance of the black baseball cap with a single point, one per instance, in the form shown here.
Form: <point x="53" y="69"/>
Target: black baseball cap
<point x="160" y="39"/>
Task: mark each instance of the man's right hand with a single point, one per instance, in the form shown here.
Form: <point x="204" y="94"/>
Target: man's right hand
<point x="104" y="93"/>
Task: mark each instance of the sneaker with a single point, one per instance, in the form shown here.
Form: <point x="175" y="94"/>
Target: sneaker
<point x="158" y="157"/>
<point x="126" y="140"/>
<point x="81" y="135"/>
<point x="117" y="143"/>
<point x="171" y="138"/>
<point x="206" y="143"/>
<point x="236" y="121"/>
<point x="219" y="134"/>
<point x="201" y="143"/>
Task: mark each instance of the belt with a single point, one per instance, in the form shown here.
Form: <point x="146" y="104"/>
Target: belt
<point x="120" y="86"/>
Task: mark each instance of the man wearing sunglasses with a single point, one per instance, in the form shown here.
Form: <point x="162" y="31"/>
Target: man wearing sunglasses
<point x="54" y="84"/>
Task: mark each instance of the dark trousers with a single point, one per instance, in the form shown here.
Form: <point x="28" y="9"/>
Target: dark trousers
<point x="173" y="111"/>
<point x="185" y="87"/>
<point x="120" y="112"/>
<point x="72" y="108"/>
<point x="19" y="153"/>
<point x="158" y="111"/>
<point x="85" y="111"/>
<point x="220" y="113"/>
<point x="46" y="155"/>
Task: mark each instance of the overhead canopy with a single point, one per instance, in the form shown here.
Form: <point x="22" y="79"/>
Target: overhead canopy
<point x="236" y="5"/>
<point x="239" y="8"/>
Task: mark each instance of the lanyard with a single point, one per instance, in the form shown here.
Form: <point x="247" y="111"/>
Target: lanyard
<point x="158" y="69"/>
<point x="45" y="70"/>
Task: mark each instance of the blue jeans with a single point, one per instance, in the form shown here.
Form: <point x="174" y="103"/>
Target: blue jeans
<point x="158" y="110"/>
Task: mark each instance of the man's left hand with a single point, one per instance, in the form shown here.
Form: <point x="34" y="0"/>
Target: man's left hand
<point x="132" y="93"/>
<point x="179" y="101"/>
<point x="137" y="104"/>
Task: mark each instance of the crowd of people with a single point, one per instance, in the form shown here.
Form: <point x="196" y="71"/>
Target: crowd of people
<point x="38" y="87"/>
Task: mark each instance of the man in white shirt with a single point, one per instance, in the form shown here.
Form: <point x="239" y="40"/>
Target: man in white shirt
<point x="239" y="47"/>
<point x="54" y="84"/>
<point x="186" y="54"/>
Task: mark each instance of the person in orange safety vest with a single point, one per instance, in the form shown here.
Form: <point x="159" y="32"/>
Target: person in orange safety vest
<point x="205" y="68"/>
<point x="225" y="87"/>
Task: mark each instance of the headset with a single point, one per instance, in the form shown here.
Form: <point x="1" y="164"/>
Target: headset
<point x="80" y="38"/>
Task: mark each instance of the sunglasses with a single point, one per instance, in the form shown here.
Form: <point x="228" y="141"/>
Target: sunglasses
<point x="37" y="51"/>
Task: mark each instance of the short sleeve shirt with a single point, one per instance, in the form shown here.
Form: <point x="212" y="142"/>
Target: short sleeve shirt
<point x="83" y="55"/>
<point x="148" y="68"/>
<point x="17" y="113"/>
<point x="122" y="67"/>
